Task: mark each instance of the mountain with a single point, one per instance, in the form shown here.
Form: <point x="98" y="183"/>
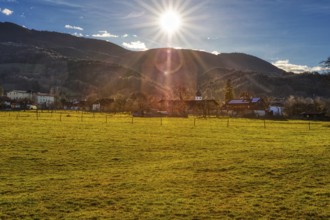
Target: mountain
<point x="64" y="44"/>
<point x="75" y="66"/>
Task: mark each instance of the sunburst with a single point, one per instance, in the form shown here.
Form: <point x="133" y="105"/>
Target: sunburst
<point x="170" y="23"/>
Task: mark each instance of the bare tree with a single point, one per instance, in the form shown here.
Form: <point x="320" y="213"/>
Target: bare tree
<point x="229" y="94"/>
<point x="181" y="92"/>
<point x="326" y="63"/>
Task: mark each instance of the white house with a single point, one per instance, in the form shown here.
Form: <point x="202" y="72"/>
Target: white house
<point x="276" y="107"/>
<point x="276" y="110"/>
<point x="44" y="99"/>
<point x="96" y="107"/>
<point x="19" y="94"/>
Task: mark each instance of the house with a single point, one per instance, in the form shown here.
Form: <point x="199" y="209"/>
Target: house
<point x="246" y="107"/>
<point x="276" y="107"/>
<point x="96" y="107"/>
<point x="19" y="95"/>
<point x="104" y="104"/>
<point x="44" y="99"/>
<point x="197" y="106"/>
<point x="5" y="102"/>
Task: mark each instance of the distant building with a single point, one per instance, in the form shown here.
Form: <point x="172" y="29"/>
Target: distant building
<point x="244" y="107"/>
<point x="4" y="102"/>
<point x="44" y="99"/>
<point x="197" y="106"/>
<point x="19" y="94"/>
<point x="96" y="107"/>
<point x="198" y="96"/>
<point x="104" y="104"/>
<point x="276" y="107"/>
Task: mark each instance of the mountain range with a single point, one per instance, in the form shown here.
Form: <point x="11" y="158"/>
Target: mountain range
<point x="88" y="68"/>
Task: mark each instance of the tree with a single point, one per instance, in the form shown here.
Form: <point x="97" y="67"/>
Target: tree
<point x="140" y="101"/>
<point x="1" y="91"/>
<point x="228" y="91"/>
<point x="181" y="92"/>
<point x="326" y="63"/>
<point x="244" y="95"/>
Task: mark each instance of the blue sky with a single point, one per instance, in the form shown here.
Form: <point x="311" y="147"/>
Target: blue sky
<point x="292" y="34"/>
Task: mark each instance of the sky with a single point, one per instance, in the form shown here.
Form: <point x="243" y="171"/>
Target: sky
<point x="291" y="34"/>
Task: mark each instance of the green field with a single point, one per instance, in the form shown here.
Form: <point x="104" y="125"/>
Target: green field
<point x="74" y="165"/>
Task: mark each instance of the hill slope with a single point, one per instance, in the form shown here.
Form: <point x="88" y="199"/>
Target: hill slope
<point x="41" y="60"/>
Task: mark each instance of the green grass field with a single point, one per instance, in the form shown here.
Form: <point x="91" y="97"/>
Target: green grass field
<point x="71" y="165"/>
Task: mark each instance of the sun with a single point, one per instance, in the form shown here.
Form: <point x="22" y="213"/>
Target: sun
<point x="170" y="22"/>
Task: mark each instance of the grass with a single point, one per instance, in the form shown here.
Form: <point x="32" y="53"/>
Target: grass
<point x="71" y="165"/>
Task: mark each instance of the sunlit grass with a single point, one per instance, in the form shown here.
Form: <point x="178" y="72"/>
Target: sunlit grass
<point x="76" y="165"/>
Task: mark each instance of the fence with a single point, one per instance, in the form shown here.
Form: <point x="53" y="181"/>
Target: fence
<point x="107" y="118"/>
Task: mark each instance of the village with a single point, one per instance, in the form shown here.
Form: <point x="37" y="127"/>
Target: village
<point x="140" y="106"/>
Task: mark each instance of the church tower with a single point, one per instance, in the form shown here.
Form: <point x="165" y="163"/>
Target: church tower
<point x="198" y="96"/>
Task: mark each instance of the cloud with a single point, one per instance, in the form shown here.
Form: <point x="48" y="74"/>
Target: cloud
<point x="73" y="27"/>
<point x="78" y="34"/>
<point x="289" y="67"/>
<point x="212" y="38"/>
<point x="215" y="52"/>
<point x="6" y="11"/>
<point x="104" y="34"/>
<point x="134" y="14"/>
<point x="135" y="45"/>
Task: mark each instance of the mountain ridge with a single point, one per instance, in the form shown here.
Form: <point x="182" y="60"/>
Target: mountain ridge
<point x="43" y="60"/>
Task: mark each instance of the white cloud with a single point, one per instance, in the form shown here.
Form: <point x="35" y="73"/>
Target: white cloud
<point x="104" y="34"/>
<point x="289" y="67"/>
<point x="135" y="45"/>
<point x="215" y="52"/>
<point x="6" y="11"/>
<point x="212" y="38"/>
<point x="134" y="14"/>
<point x="78" y="34"/>
<point x="73" y="27"/>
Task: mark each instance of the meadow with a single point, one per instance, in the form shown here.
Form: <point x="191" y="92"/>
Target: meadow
<point x="74" y="165"/>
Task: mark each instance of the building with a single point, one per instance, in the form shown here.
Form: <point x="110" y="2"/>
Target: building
<point x="19" y="95"/>
<point x="197" y="106"/>
<point x="44" y="99"/>
<point x="4" y="102"/>
<point x="198" y="96"/>
<point x="246" y="107"/>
